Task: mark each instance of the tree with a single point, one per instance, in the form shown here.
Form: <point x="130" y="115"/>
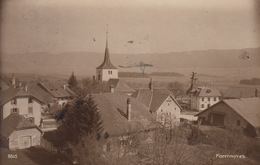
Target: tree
<point x="176" y="88"/>
<point x="81" y="119"/>
<point x="73" y="83"/>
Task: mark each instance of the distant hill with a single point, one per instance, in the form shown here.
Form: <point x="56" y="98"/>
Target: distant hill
<point x="253" y="81"/>
<point x="170" y="74"/>
<point x="209" y="62"/>
<point x="132" y="75"/>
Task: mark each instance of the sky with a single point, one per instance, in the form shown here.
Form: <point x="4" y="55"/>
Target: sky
<point x="134" y="26"/>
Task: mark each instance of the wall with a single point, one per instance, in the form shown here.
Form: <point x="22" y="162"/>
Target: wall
<point x="230" y="118"/>
<point x="196" y="102"/>
<point x="23" y="105"/>
<point x="104" y="74"/>
<point x="168" y="112"/>
<point x="34" y="133"/>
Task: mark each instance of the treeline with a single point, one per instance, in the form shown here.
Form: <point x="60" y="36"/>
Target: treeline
<point x="253" y="81"/>
<point x="145" y="75"/>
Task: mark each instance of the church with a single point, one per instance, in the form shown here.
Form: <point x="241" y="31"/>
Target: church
<point x="106" y="70"/>
<point x="107" y="74"/>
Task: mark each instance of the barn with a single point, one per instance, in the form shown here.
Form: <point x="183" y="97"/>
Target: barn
<point x="234" y="113"/>
<point x="17" y="132"/>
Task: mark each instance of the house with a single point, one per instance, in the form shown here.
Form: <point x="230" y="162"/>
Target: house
<point x="106" y="70"/>
<point x="60" y="94"/>
<point x="22" y="102"/>
<point x="17" y="132"/>
<point x="122" y="115"/>
<point x="241" y="92"/>
<point x="118" y="86"/>
<point x="161" y="103"/>
<point x="202" y="97"/>
<point x="234" y="113"/>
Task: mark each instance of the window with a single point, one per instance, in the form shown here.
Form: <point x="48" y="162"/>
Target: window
<point x="202" y="105"/>
<point x="13" y="102"/>
<point x="14" y="110"/>
<point x="31" y="119"/>
<point x="215" y="99"/>
<point x="109" y="72"/>
<point x="202" y="99"/>
<point x="209" y="99"/>
<point x="161" y="110"/>
<point x="238" y="122"/>
<point x="168" y="104"/>
<point x="208" y="105"/>
<point x="30" y="109"/>
<point x="30" y="100"/>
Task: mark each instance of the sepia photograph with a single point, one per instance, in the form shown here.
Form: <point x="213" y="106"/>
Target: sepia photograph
<point x="129" y="82"/>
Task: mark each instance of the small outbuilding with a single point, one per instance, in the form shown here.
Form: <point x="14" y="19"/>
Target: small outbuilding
<point x="17" y="132"/>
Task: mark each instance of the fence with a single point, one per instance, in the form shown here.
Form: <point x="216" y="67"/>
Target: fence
<point x="48" y="146"/>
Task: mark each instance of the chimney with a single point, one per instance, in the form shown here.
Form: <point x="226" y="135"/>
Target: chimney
<point x="26" y="88"/>
<point x="112" y="89"/>
<point x="64" y="86"/>
<point x="151" y="85"/>
<point x="13" y="80"/>
<point x="94" y="78"/>
<point x="129" y="109"/>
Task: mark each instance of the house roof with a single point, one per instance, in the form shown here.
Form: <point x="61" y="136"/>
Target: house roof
<point x="5" y="82"/>
<point x="15" y="122"/>
<point x="119" y="86"/>
<point x="54" y="89"/>
<point x="240" y="92"/>
<point x="11" y="93"/>
<point x="106" y="64"/>
<point x="112" y="107"/>
<point x="207" y="92"/>
<point x="248" y="108"/>
<point x="153" y="99"/>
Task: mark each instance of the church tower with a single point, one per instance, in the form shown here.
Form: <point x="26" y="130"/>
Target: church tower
<point x="106" y="70"/>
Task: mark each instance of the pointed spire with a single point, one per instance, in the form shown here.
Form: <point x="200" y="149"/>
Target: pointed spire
<point x="107" y="38"/>
<point x="106" y="63"/>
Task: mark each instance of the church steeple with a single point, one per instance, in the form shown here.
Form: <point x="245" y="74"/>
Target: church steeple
<point x="106" y="70"/>
<point x="107" y="64"/>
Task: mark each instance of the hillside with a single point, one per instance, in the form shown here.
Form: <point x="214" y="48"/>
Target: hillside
<point x="211" y="62"/>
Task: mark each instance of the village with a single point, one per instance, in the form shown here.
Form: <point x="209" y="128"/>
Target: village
<point x="146" y="125"/>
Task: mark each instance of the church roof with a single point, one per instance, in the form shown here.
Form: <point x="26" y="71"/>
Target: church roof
<point x="106" y="63"/>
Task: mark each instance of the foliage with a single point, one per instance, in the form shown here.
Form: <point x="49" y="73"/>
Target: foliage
<point x="253" y="81"/>
<point x="81" y="119"/>
<point x="176" y="88"/>
<point x="73" y="83"/>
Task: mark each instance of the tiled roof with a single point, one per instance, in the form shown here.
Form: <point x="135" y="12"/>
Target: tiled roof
<point x="119" y="86"/>
<point x="153" y="99"/>
<point x="5" y="82"/>
<point x="112" y="107"/>
<point x="54" y="89"/>
<point x="206" y="92"/>
<point x="248" y="108"/>
<point x="241" y="92"/>
<point x="33" y="90"/>
<point x="40" y="93"/>
<point x="106" y="64"/>
<point x="15" y="122"/>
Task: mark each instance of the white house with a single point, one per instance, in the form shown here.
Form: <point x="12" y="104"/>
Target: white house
<point x="161" y="104"/>
<point x="204" y="97"/>
<point x="22" y="102"/>
<point x="106" y="70"/>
